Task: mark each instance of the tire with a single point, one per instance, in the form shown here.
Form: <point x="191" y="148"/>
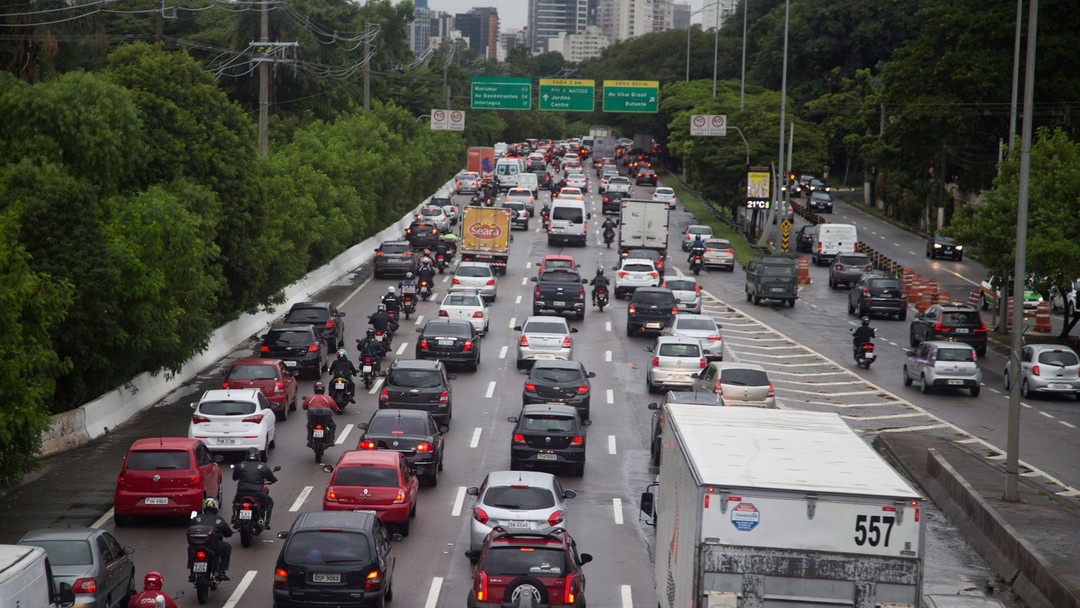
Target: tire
<point x="629" y="331"/>
<point x="902" y="315"/>
<point x="791" y="303"/>
<point x="319" y="453"/>
<point x="403" y="529"/>
<point x="832" y="283"/>
<point x="432" y="480"/>
<point x="757" y="300"/>
<point x="748" y="296"/>
<point x="907" y="379"/>
<point x="389" y="595"/>
<point x="292" y="405"/>
<point x="925" y="388"/>
<point x="975" y="390"/>
<point x="649" y="387"/>
<point x="122" y="521"/>
<point x="529" y="581"/>
<point x="246" y="534"/>
<point x="911" y="338"/>
<point x="1005" y="377"/>
<point x="850" y="307"/>
<point x="579" y="470"/>
<point x="202" y="590"/>
<point x="1025" y="391"/>
<point x="441" y="462"/>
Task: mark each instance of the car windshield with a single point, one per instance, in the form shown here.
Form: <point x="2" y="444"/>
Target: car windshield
<point x="473" y="271"/>
<point x="955" y="354"/>
<point x="227" y="408"/>
<point x="637" y="267"/>
<point x="322" y="547"/>
<point x="559" y="277"/>
<point x="462" y="300"/>
<point x="885" y="284"/>
<point x="1060" y="358"/>
<point x="960" y="318"/>
<point x="547" y="423"/>
<point x="158" y="460"/>
<point x="744" y="377"/>
<point x="770" y="270"/>
<point x="377" y="477"/>
<point x="944" y="240"/>
<point x="523" y="498"/>
<point x="252" y="372"/>
<point x="65" y="552"/>
<point x="284" y="337"/>
<point x="447" y="329"/>
<point x="307" y="315"/>
<point x="825" y="196"/>
<point x="681" y="285"/>
<point x="392" y="425"/>
<point x="696" y="324"/>
<point x="524" y="561"/>
<point x="679" y="350"/>
<point x="415" y="378"/>
<point x="556" y="374"/>
<point x="544" y="327"/>
<point x="395" y="248"/>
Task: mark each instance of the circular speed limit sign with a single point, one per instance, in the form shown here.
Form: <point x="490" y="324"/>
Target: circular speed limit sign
<point x="455" y="117"/>
<point x="438" y="116"/>
<point x="718" y="121"/>
<point x="699" y="121"/>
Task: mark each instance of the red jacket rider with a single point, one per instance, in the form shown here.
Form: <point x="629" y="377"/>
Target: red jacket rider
<point x="147" y="598"/>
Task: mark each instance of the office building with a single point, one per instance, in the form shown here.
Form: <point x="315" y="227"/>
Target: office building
<point x="549" y="18"/>
<point x="715" y="13"/>
<point x="418" y="32"/>
<point x="576" y="48"/>
<point x="680" y="16"/>
<point x="481" y="26"/>
<point x="626" y="19"/>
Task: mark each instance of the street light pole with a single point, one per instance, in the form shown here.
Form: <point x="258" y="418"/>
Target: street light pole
<point x="781" y="171"/>
<point x="742" y="72"/>
<point x="690" y="27"/>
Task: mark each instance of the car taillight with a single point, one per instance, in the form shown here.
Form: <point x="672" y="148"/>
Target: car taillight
<point x="281" y="577"/>
<point x="621" y="274"/>
<point x="568" y="592"/>
<point x="718" y="389"/>
<point x="468" y="345"/>
<point x="581" y="294"/>
<point x="697" y="288"/>
<point x="199" y="419"/>
<point x="407" y="254"/>
<point x="579" y="440"/>
<point x="423" y="344"/>
<point x="1035" y="370"/>
<point x="536" y="293"/>
<point x="384" y="395"/>
<point x="482" y="592"/>
<point x="530" y="387"/>
<point x="674" y="310"/>
<point x="225" y="384"/>
<point x="981" y="328"/>
<point x="424" y="448"/>
<point x="331" y="494"/>
<point x="456" y="281"/>
<point x="865" y="292"/>
<point x="314" y="348"/>
<point x="772" y="393"/>
<point x="372" y="580"/>
<point x="279" y="386"/>
<point x="257" y="418"/>
<point x="264" y="349"/>
<point x="444" y="397"/>
<point x="938" y="326"/>
<point x="632" y="309"/>
<point x="490" y="282"/>
<point x="480" y="515"/>
<point x="478" y="314"/>
<point x="703" y="363"/>
<point x="729" y="251"/>
<point x="566" y="342"/>
<point x="121" y="480"/>
<point x="399" y="497"/>
<point x="524" y="341"/>
<point x="85" y="585"/>
<point x="519" y="438"/>
<point x="329" y="324"/>
<point x="839" y="266"/>
<point x="246" y="505"/>
<point x="367" y="444"/>
<point x="654" y="274"/>
<point x="655" y="361"/>
<point x="584" y="388"/>
<point x="444" y="313"/>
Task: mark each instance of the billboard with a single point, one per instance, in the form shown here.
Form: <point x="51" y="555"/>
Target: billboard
<point x="758" y="194"/>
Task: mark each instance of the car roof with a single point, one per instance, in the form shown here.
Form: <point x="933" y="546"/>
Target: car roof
<point x="422" y="364"/>
<point x="633" y="260"/>
<point x="532" y="478"/>
<point x="723" y="365"/>
<point x="557" y="364"/>
<point x="254" y="361"/>
<point x="679" y="278"/>
<point x="369" y="457"/>
<point x="1050" y="347"/>
<point x="516" y="537"/>
<point x="344" y="520"/>
<point x="955" y="308"/>
<point x="40" y="534"/>
<point x="400" y="413"/>
<point x="549" y="408"/>
<point x="163" y="443"/>
<point x="948" y="344"/>
<point x="231" y="394"/>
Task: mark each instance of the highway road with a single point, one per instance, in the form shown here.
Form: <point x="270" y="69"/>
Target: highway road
<point x="806" y="350"/>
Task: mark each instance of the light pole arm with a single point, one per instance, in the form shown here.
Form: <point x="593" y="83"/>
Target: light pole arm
<point x="745" y="143"/>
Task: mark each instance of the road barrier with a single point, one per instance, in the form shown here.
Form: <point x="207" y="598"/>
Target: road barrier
<point x="802" y="272"/>
<point x="942" y="298"/>
<point x="926" y="299"/>
<point x="975" y="298"/>
<point x="1042" y="318"/>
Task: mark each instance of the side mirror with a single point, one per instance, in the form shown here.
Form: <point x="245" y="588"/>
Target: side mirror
<point x="517" y="328"/>
<point x="472" y="555"/>
<point x="591" y="374"/>
<point x="513" y="419"/>
<point x="452" y="376"/>
<point x="328" y="468"/>
<point x="647" y="349"/>
<point x="194" y="405"/>
<point x="654" y="406"/>
<point x="443" y="428"/>
<point x="569" y="494"/>
<point x="584" y="558"/>
<point x="533" y="279"/>
<point x="66" y="595"/>
<point x="276" y="469"/>
<point x="586" y="423"/>
<point x="694" y="375"/>
<point x="647" y="503"/>
<point x="283" y="534"/>
<point x="573" y="330"/>
<point x="472" y="491"/>
<point x="340" y="314"/>
<point x="128" y="551"/>
<point x="909" y="351"/>
<point x="584" y="281"/>
<point x="524" y="372"/>
<point x="218" y="458"/>
<point x="363" y="426"/>
<point x="396" y="537"/>
<point x="419" y="330"/>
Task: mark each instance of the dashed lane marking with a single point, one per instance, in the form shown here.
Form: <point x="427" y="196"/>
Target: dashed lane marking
<point x="616" y="507"/>
<point x="375" y="387"/>
<point x="419" y="320"/>
<point x="446" y="278"/>
<point x="502" y="352"/>
<point x="1051" y="416"/>
<point x="101" y="520"/>
<point x="344" y="434"/>
<point x="607" y="325"/>
<point x="1071" y="426"/>
<point x="433" y="592"/>
<point x="925" y="427"/>
<point x="627" y="597"/>
<point x="607" y="356"/>
<point x="401" y="348"/>
<point x="524" y="280"/>
<point x="490" y="390"/>
<point x="300" y="498"/>
<point x="610" y="394"/>
<point x="883" y="417"/>
<point x="475" y="441"/>
<point x="238" y="593"/>
<point x="611" y="444"/>
<point x="459" y="500"/>
<point x="517" y="300"/>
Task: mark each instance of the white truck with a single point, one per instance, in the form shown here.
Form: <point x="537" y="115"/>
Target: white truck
<point x="643" y="225"/>
<point x="603" y="147"/>
<point x="26" y="580"/>
<point x="759" y="508"/>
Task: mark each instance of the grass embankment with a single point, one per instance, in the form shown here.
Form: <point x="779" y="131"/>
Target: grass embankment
<point x="703" y="215"/>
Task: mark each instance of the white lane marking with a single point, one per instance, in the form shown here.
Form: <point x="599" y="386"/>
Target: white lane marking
<point x="375" y="387"/>
<point x="459" y="501"/>
<point x="1051" y="416"/>
<point x="962" y="278"/>
<point x="344" y="434"/>
<point x="607" y="356"/>
<point x="101" y="520"/>
<point x="300" y="498"/>
<point x="616" y="506"/>
<point x="524" y="280"/>
<point x="627" y="597"/>
<point x="245" y="582"/>
<point x="607" y="325"/>
<point x="350" y="296"/>
<point x="1071" y="426"/>
<point x="490" y="390"/>
<point x="419" y="319"/>
<point x="1026" y="405"/>
<point x="528" y="265"/>
<point x="610" y="396"/>
<point x="502" y="352"/>
<point x="445" y="278"/>
<point x="611" y="444"/>
<point x="476" y="437"/>
<point x="433" y="592"/>
<point x="401" y="348"/>
<point x="513" y="322"/>
<point x="517" y="300"/>
<point x="911" y="252"/>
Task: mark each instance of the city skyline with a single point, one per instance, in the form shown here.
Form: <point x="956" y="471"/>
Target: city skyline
<point x="514" y="14"/>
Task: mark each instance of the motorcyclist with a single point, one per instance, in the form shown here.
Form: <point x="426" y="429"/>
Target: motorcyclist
<point x="425" y="258"/>
<point x="696" y="248"/>
<point x="380" y="320"/>
<point x="370" y="347"/>
<point x="609" y="224"/>
<point x="252" y="476"/>
<point x="599" y="282"/>
<point x="391" y="301"/>
<point x="426" y="273"/>
<point x="441" y="250"/>
<point x="451" y="241"/>
<point x="209" y="517"/>
<point x="863" y="334"/>
<point x="147" y="598"/>
<point x="408" y="288"/>
<point x="320" y="410"/>
<point x="342" y="367"/>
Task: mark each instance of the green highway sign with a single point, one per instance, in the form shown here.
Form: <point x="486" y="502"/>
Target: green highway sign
<point x="567" y="95"/>
<point x="501" y="93"/>
<point x="631" y="95"/>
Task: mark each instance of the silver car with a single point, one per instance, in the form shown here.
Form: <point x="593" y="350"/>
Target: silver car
<point x="702" y="327"/>
<point x="687" y="293"/>
<point x="674" y="364"/>
<point x="938" y="364"/>
<point x="634" y="273"/>
<point x="98" y="568"/>
<point x="477" y="276"/>
<point x="467" y="182"/>
<point x="745" y="384"/>
<point x="719" y="252"/>
<point x="516" y="500"/>
<point x="1047" y="369"/>
<point x="544" y="338"/>
<point x="435" y="215"/>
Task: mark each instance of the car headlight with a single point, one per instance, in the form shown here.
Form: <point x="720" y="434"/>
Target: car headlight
<point x="937" y="245"/>
<point x="959" y="247"/>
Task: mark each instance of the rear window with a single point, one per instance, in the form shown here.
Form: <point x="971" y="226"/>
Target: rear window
<point x="323" y="547"/>
<point x="717" y="245"/>
<point x="252" y="372"/>
<point x="1061" y="358"/>
<point x="313" y="315"/>
<point x="415" y="378"/>
<point x="744" y="377"/>
<point x="461" y="300"/>
<point x="960" y="318"/>
<point x="376" y="477"/>
<point x="543" y="327"/>
<point x="473" y="271"/>
<point x="391" y="425"/>
<point x="777" y="271"/>
<point x="699" y="230"/>
<point x="158" y="460"/>
<point x="569" y="214"/>
<point x="560" y="277"/>
<point x="637" y="267"/>
<point x="557" y="374"/>
<point x="558" y="264"/>
<point x="395" y="248"/>
<point x="681" y="285"/>
<point x="665" y="192"/>
<point x="854" y="260"/>
<point x="227" y="408"/>
<point x="447" y="329"/>
<point x="651" y="298"/>
<point x="65" y="552"/>
<point x="679" y="350"/>
<point x="885" y="284"/>
<point x="524" y="561"/>
<point x="704" y="324"/>
<point x="519" y="498"/>
<point x="432" y="211"/>
<point x="955" y="354"/>
<point x="286" y="337"/>
<point x="547" y="423"/>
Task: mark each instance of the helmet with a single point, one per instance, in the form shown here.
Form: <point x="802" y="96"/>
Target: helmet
<point x="382" y="307"/>
<point x="865" y="321"/>
<point x="320" y="388"/>
<point x="408" y="275"/>
<point x="152" y="581"/>
<point x="371" y="332"/>
<point x="427" y="251"/>
<point x="210" y="504"/>
<point x="342" y="354"/>
<point x="253" y="454"/>
<point x="390" y="290"/>
<point x="600" y="271"/>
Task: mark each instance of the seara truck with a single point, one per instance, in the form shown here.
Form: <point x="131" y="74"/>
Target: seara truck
<point x="759" y="508"/>
<point x="485" y="237"/>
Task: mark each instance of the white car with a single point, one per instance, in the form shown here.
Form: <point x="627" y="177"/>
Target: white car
<point x="719" y="252"/>
<point x="695" y="230"/>
<point x="578" y="180"/>
<point x="234" y="420"/>
<point x="574" y="193"/>
<point x="664" y="194"/>
<point x="701" y="327"/>
<point x="634" y="273"/>
<point x="619" y="183"/>
<point x="466" y="306"/>
<point x="435" y="215"/>
<point x="475" y="276"/>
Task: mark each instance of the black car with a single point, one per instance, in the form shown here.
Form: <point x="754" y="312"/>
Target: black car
<point x="412" y="432"/>
<point x="340" y="558"/>
<point x="394" y="257"/>
<point x="450" y="341"/>
<point x="612" y="202"/>
<point x="848" y="268"/>
<point x="820" y="201"/>
<point x="327" y="320"/>
<point x="548" y="434"/>
<point x="650" y="310"/>
<point x="952" y="323"/>
<point x="422" y="234"/>
<point x="878" y="293"/>
<point x="645" y="176"/>
<point x="804" y="238"/>
<point x="940" y="246"/>
<point x="419" y="385"/>
<point x="657" y="258"/>
<point x="559" y="381"/>
<point x="689" y="397"/>
<point x="298" y="346"/>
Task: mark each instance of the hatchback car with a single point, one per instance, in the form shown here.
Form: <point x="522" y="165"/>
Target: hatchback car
<point x="543" y="563"/>
<point x="612" y="202"/>
<point x="328" y="321"/>
<point x="228" y="420"/>
<point x="877" y="293"/>
<point x="165" y="477"/>
<point x="940" y="246"/>
<point x="524" y="196"/>
<point x="516" y="500"/>
<point x="544" y="338"/>
<point x="556" y="381"/>
<point x="467" y="182"/>
<point x="436" y="216"/>
<point x="466" y="306"/>
<point x="650" y="310"/>
<point x="820" y="201"/>
<point x="936" y="365"/>
<point x="548" y="434"/>
<point x="645" y="177"/>
<point x="657" y="424"/>
<point x="419" y="385"/>
<point x="100" y="571"/>
<point x="694" y="231"/>
<point x="476" y="276"/>
<point x="745" y="384"/>
<point x="952" y="323"/>
<point x="411" y="432"/>
<point x="299" y="347"/>
<point x="665" y="195"/>
<point x="335" y="558"/>
<point x="804" y="238"/>
<point x="394" y="257"/>
<point x="578" y="180"/>
<point x="448" y="206"/>
<point x="719" y="253"/>
<point x="633" y="273"/>
<point x="277" y="382"/>
<point x="519" y="214"/>
<point x="422" y="234"/>
<point x="675" y="362"/>
<point x="848" y="268"/>
<point x="687" y="291"/>
<point x="1047" y="369"/>
<point x="449" y="341"/>
<point x="377" y="480"/>
<point x="703" y="328"/>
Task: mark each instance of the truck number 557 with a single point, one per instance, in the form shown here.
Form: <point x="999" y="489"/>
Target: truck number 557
<point x="868" y="529"/>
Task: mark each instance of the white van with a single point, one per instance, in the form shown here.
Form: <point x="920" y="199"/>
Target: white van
<point x="530" y="182"/>
<point x="833" y="239"/>
<point x="507" y="170"/>
<point x="568" y="222"/>
<point x="27" y="580"/>
<point x="500" y="149"/>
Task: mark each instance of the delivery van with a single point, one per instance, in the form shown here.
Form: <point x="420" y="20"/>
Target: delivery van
<point x="831" y="240"/>
<point x="26" y="580"/>
<point x="507" y="170"/>
<point x="568" y="222"/>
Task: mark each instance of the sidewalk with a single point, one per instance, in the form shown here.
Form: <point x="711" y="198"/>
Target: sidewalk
<point x="1034" y="544"/>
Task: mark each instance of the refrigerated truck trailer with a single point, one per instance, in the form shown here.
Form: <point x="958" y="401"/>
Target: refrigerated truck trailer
<point x="760" y="508"/>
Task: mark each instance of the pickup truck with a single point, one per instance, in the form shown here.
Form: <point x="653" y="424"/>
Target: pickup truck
<point x="560" y="290"/>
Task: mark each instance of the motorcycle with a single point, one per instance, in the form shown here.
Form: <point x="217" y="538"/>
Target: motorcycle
<point x="384" y="338"/>
<point x="320" y="440"/>
<point x="205" y="564"/>
<point x="247" y="515"/>
<point x="408" y="304"/>
<point x="609" y="236"/>
<point x="864" y="353"/>
<point x="369" y="368"/>
<point x="425" y="288"/>
<point x="394" y="325"/>
<point x="339" y="391"/>
<point x="601" y="298"/>
<point x="696" y="263"/>
<point x="440" y="262"/>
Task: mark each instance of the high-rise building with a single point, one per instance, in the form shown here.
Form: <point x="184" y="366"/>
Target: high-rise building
<point x="442" y="24"/>
<point x="625" y="19"/>
<point x="576" y="48"/>
<point x="547" y="18"/>
<point x="419" y="31"/>
<point x="714" y="13"/>
<point x="481" y="26"/>
<point x="680" y="18"/>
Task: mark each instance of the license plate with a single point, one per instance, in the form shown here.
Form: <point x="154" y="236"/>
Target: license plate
<point x="159" y="500"/>
<point x="962" y="330"/>
<point x="545" y="356"/>
<point x="290" y="364"/>
<point x="652" y="325"/>
<point x="955" y="382"/>
<point x="199" y="567"/>
<point x="870" y="356"/>
<point x="517" y="524"/>
<point x="317" y="433"/>
<point x="446" y="342"/>
<point x="245" y="514"/>
<point x="559" y="303"/>
<point x="367" y="368"/>
<point x="546" y="457"/>
<point x="325" y="577"/>
<point x="1059" y="386"/>
<point x="226" y="441"/>
<point x="339" y="386"/>
<point x="776" y="289"/>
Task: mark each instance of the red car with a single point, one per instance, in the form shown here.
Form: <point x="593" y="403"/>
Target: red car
<point x="555" y="261"/>
<point x="165" y="477"/>
<point x="514" y="558"/>
<point x="277" y="382"/>
<point x="381" y="481"/>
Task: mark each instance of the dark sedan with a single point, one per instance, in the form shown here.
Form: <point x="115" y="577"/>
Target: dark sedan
<point x="450" y="341"/>
<point x="559" y="381"/>
<point x="422" y="234"/>
<point x="299" y="346"/>
<point x="394" y="257"/>
<point x="419" y="385"/>
<point x="548" y="434"/>
<point x="645" y="177"/>
<point x="940" y="246"/>
<point x="804" y="238"/>
<point x="327" y="320"/>
<point x="412" y="432"/>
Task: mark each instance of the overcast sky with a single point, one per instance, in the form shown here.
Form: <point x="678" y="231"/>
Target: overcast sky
<point x="513" y="14"/>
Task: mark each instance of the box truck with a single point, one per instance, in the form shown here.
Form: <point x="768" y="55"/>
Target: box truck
<point x="777" y="509"/>
<point x="485" y="237"/>
<point x="643" y="225"/>
<point x="26" y="580"/>
<point x="481" y="160"/>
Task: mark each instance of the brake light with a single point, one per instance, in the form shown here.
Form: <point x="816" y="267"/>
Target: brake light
<point x="247" y="505"/>
<point x="468" y="345"/>
<point x="482" y="593"/>
<point x="772" y="393"/>
<point x="281" y="577"/>
<point x="257" y="418"/>
<point x="839" y="266"/>
<point x="478" y="314"/>
<point x="718" y="389"/>
<point x="530" y="387"/>
<point x="581" y="294"/>
<point x="697" y="288"/>
<point x="85" y="585"/>
<point x="622" y="274"/>
<point x="121" y="480"/>
<point x="314" y="348"/>
<point x="519" y="438"/>
<point x="200" y="555"/>
<point x="456" y="281"/>
<point x="367" y="444"/>
<point x="329" y="324"/>
<point x="372" y="580"/>
<point x="384" y="395"/>
<point x="555" y="518"/>
<point x="536" y="293"/>
<point x="568" y="593"/>
<point x="674" y="310"/>
<point x="866" y="292"/>
<point x="632" y="309"/>
<point x="423" y="344"/>
<point x="480" y="515"/>
<point x="654" y="274"/>
<point x="331" y="494"/>
<point x="279" y="386"/>
<point x="981" y="328"/>
<point x="444" y="397"/>
<point x="655" y="361"/>
<point x="199" y="419"/>
<point x="490" y="282"/>
<point x="225" y="384"/>
<point x="703" y="363"/>
<point x="566" y="342"/>
<point x="407" y="254"/>
<point x="399" y="497"/>
<point x="938" y="326"/>
<point x="524" y="341"/>
<point x="1035" y="370"/>
<point x="444" y="313"/>
<point x="264" y="349"/>
<point x="579" y="440"/>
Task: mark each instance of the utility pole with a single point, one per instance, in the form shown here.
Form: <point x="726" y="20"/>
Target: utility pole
<point x="367" y="64"/>
<point x="1015" y="79"/>
<point x="264" y="85"/>
<point x="781" y="172"/>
